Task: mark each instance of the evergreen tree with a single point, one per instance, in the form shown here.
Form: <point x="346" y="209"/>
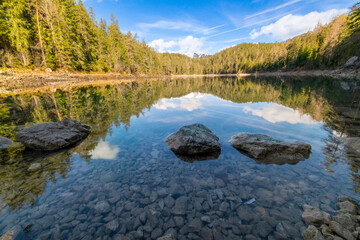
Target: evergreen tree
<point x="19" y="27"/>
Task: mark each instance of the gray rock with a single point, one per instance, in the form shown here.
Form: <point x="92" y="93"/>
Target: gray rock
<point x="5" y="143"/>
<point x="353" y="61"/>
<point x="348" y="207"/>
<point x="205" y="219"/>
<point x="169" y="201"/>
<point x="53" y="136"/>
<point x="263" y="229"/>
<point x="102" y="207"/>
<point x="314" y="216"/>
<point x="179" y="221"/>
<point x="167" y="237"/>
<point x="280" y="229"/>
<point x="224" y="206"/>
<point x="113" y="225"/>
<point x="347" y="221"/>
<point x="139" y="234"/>
<point x="152" y="217"/>
<point x="342" y="232"/>
<point x="34" y="166"/>
<point x="194" y="225"/>
<point x="264" y="149"/>
<point x="311" y="233"/>
<point x="206" y="233"/>
<point x="180" y="206"/>
<point x="153" y="196"/>
<point x="219" y="193"/>
<point x="142" y="217"/>
<point x="161" y="204"/>
<point x="169" y="224"/>
<point x="217" y="235"/>
<point x="192" y="140"/>
<point x="156" y="233"/>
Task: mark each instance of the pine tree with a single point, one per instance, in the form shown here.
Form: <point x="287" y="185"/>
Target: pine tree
<point x="20" y="28"/>
<point x="3" y="26"/>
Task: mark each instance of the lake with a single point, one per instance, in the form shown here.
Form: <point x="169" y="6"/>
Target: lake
<point x="123" y="182"/>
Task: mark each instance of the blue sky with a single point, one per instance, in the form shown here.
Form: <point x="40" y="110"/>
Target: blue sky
<point x="209" y="26"/>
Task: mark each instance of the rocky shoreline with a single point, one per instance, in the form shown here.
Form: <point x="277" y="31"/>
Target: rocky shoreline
<point x="17" y="81"/>
<point x="344" y="225"/>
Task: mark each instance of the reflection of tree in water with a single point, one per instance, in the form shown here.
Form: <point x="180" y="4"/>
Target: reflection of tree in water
<point x="344" y="123"/>
<point x="20" y="184"/>
<point x="102" y="106"/>
<point x="337" y="152"/>
<point x="113" y="105"/>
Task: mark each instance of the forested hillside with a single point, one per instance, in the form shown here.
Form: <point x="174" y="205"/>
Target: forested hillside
<point x="65" y="35"/>
<point x="323" y="48"/>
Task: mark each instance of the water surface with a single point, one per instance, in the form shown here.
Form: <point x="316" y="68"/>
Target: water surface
<point x="123" y="182"/>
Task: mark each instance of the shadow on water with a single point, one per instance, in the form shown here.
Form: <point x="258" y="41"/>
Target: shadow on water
<point x="199" y="157"/>
<point x="25" y="175"/>
<point x="278" y="159"/>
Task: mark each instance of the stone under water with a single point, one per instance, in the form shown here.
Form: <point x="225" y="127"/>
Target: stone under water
<point x="5" y="143"/>
<point x="264" y="149"/>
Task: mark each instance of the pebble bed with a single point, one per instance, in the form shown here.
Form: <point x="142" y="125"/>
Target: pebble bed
<point x="156" y="194"/>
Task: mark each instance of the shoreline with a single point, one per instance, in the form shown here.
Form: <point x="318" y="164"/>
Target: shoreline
<point x="26" y="81"/>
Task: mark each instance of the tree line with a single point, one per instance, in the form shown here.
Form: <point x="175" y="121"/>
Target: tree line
<point x="63" y="34"/>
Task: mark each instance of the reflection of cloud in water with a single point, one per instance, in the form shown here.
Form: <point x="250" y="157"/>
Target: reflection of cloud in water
<point x="105" y="150"/>
<point x="174" y="119"/>
<point x="189" y="102"/>
<point x="338" y="134"/>
<point x="278" y="113"/>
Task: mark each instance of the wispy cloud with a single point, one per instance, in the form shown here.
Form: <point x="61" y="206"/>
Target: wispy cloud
<point x="208" y="31"/>
<point x="250" y="24"/>
<point x="179" y="25"/>
<point x="273" y="9"/>
<point x="234" y="40"/>
<point x="170" y="25"/>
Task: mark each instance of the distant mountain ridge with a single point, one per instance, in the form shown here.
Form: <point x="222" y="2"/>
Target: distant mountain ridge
<point x="200" y="55"/>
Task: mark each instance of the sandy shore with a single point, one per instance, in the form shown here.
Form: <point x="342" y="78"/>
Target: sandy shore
<point x="20" y="81"/>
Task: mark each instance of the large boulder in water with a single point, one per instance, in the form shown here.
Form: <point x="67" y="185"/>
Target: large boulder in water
<point x="5" y="143"/>
<point x="53" y="136"/>
<point x="265" y="149"/>
<point x="195" y="139"/>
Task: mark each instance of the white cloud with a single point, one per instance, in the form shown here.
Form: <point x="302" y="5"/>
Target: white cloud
<point x="105" y="150"/>
<point x="275" y="113"/>
<point x="292" y="25"/>
<point x="188" y="45"/>
<point x="161" y="45"/>
<point x="189" y="102"/>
